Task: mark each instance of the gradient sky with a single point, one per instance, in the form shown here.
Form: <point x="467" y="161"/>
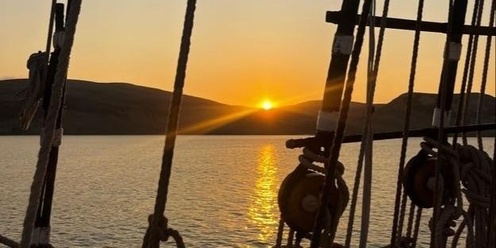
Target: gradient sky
<point x="242" y="51"/>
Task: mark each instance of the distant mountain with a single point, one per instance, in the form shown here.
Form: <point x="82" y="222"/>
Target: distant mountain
<point x="120" y="108"/>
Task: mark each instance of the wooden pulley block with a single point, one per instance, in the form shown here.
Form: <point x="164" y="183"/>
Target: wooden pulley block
<point x="299" y="200"/>
<point x="419" y="180"/>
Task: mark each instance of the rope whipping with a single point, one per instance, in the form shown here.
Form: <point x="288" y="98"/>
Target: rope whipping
<point x="154" y="229"/>
<point x="396" y="230"/>
<point x="339" y="134"/>
<point x="46" y="143"/>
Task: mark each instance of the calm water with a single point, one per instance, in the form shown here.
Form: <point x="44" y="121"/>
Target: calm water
<point x="223" y="190"/>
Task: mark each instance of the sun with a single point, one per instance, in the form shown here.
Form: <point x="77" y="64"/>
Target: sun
<point x="267" y="105"/>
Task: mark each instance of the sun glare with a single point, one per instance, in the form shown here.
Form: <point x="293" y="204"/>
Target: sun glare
<point x="267" y="105"/>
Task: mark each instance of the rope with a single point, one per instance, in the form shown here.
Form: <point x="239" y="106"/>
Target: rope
<point x="34" y="90"/>
<point x="308" y="160"/>
<point x="372" y="71"/>
<point x="484" y="75"/>
<point x="398" y="216"/>
<point x="463" y="87"/>
<point x="280" y="230"/>
<point x="153" y="240"/>
<point x="478" y="9"/>
<point x="339" y="134"/>
<point x="417" y="227"/>
<point x="8" y="242"/>
<point x="46" y="143"/>
<point x="472" y="168"/>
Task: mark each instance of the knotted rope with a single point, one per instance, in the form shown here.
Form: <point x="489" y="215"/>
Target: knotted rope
<point x="154" y="229"/>
<point x="473" y="168"/>
<point x="50" y="123"/>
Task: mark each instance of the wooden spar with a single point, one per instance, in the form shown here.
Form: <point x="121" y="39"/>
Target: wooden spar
<point x="45" y="206"/>
<point x="336" y="75"/>
<point x="429" y="132"/>
<point x="450" y="65"/>
<point x="425" y="26"/>
<point x="338" y="66"/>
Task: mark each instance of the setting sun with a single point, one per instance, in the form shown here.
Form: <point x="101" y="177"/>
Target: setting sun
<point x="267" y="105"/>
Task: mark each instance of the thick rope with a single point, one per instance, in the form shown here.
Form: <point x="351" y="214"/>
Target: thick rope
<point x="153" y="241"/>
<point x="46" y="143"/>
<point x="397" y="217"/>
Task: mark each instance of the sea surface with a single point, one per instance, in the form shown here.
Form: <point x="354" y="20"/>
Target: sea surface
<point x="223" y="190"/>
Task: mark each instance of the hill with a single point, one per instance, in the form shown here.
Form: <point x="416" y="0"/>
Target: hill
<point x="120" y="108"/>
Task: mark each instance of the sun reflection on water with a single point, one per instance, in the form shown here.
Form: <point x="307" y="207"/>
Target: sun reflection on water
<point x="263" y="206"/>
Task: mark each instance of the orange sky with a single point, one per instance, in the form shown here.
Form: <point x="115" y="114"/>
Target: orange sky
<point x="242" y="51"/>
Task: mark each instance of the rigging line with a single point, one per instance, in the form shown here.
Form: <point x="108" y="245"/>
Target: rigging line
<point x="8" y="242"/>
<point x="463" y="86"/>
<point x="373" y="68"/>
<point x="478" y="16"/>
<point x="172" y="126"/>
<point x="339" y="134"/>
<point x="417" y="227"/>
<point x="372" y="73"/>
<point x="396" y="230"/>
<point x="46" y="143"/>
<point x="491" y="230"/>
<point x="410" y="220"/>
<point x="49" y="40"/>
<point x="455" y="7"/>
<point x="484" y="77"/>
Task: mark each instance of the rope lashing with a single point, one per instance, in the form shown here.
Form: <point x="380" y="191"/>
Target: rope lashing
<point x="153" y="240"/>
<point x="50" y="123"/>
<point x="38" y="67"/>
<point x="34" y="90"/>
